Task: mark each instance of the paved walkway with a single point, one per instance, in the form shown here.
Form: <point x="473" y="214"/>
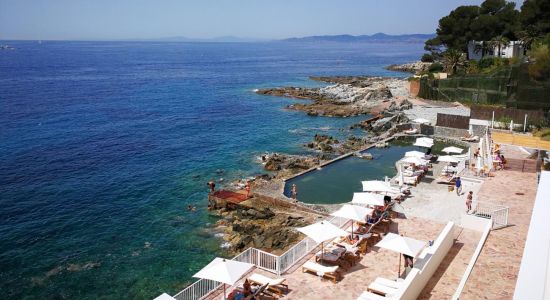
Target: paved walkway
<point x="495" y="273"/>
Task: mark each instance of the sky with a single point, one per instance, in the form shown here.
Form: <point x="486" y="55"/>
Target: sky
<point x="258" y="19"/>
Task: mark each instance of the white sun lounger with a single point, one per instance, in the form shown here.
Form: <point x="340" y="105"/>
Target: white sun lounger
<point x="276" y="285"/>
<point x="371" y="296"/>
<point x="322" y="271"/>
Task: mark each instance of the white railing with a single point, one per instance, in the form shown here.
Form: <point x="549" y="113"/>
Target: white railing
<point x="294" y="254"/>
<point x="198" y="290"/>
<point x="305" y="246"/>
<point x="261" y="259"/>
<point x="497" y="213"/>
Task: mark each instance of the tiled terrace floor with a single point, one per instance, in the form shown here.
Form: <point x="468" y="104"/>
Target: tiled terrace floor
<point x="495" y="273"/>
<point x="384" y="263"/>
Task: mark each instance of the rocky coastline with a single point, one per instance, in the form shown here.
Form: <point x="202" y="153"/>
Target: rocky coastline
<point x="347" y="96"/>
<point x="271" y="228"/>
<point x="414" y="67"/>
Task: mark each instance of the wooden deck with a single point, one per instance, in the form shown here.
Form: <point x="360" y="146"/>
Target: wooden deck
<point x="522" y="140"/>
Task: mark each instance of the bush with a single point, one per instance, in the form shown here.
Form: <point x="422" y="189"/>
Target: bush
<point x="486" y="62"/>
<point x="472" y="67"/>
<point x="435" y="67"/>
<point x="544" y="134"/>
<point x="426" y="57"/>
<point x="540" y="68"/>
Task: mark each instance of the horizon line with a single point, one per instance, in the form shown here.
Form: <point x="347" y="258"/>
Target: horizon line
<point x="218" y="39"/>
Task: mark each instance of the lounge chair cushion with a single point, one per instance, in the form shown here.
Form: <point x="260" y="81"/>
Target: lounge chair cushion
<point x="319" y="269"/>
<point x="264" y="279"/>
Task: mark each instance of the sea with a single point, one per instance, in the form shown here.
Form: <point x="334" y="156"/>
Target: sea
<point x="103" y="145"/>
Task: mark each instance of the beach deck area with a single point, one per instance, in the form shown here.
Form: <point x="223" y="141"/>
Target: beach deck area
<point x="383" y="263"/>
<point x="496" y="270"/>
<point x="433" y="201"/>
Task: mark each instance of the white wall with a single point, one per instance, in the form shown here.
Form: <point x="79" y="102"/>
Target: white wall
<point x="513" y="49"/>
<point x="428" y="261"/>
<point x="533" y="278"/>
<point x="474" y="223"/>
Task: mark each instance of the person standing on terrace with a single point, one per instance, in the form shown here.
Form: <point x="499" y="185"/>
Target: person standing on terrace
<point x="469" y="200"/>
<point x="458" y="185"/>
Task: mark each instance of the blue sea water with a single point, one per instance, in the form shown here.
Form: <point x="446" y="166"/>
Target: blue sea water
<point x="104" y="144"/>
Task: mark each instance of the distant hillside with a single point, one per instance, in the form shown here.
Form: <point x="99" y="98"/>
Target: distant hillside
<point x="378" y="37"/>
<point x="221" y="39"/>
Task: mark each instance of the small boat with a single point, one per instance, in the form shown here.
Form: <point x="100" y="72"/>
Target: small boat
<point x="381" y="145"/>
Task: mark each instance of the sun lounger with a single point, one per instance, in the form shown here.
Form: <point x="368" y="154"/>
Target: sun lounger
<point x="388" y="282"/>
<point x="276" y="285"/>
<point x="370" y="296"/>
<point x="474" y="138"/>
<point x="322" y="271"/>
<point x="381" y="289"/>
<point x="410" y="131"/>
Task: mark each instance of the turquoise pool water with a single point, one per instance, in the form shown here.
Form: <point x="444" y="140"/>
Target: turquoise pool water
<point x="336" y="183"/>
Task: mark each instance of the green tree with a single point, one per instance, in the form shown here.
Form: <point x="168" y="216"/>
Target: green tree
<point x="535" y="17"/>
<point x="528" y="36"/>
<point x="482" y="23"/>
<point x="502" y="18"/>
<point x="453" y="60"/>
<point x="539" y="68"/>
<point x="454" y="31"/>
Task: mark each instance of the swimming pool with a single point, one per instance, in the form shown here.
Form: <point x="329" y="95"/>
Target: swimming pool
<point x="336" y="182"/>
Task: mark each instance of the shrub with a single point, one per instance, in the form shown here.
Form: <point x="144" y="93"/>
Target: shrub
<point x="426" y="57"/>
<point x="435" y="67"/>
<point x="472" y="67"/>
<point x="486" y="62"/>
<point x="540" y="68"/>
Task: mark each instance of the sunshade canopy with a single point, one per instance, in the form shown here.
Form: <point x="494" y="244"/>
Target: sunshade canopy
<point x="421" y="121"/>
<point x="401" y="244"/>
<point x="224" y="270"/>
<point x="448" y="158"/>
<point x="368" y="199"/>
<point x="377" y="186"/>
<point x="452" y="150"/>
<point x="353" y="212"/>
<point x="424" y="142"/>
<point x="322" y="231"/>
<point x="414" y="160"/>
<point x="414" y="154"/>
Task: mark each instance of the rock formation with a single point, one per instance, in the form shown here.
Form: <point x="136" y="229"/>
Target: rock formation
<point x="348" y="96"/>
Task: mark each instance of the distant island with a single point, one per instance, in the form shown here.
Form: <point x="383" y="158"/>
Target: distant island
<point x="377" y="37"/>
